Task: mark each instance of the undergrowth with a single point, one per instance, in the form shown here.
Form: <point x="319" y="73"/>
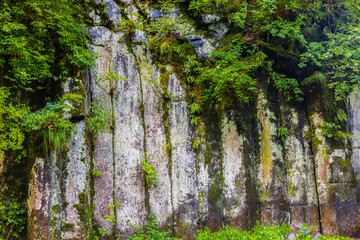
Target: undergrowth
<point x="152" y="231"/>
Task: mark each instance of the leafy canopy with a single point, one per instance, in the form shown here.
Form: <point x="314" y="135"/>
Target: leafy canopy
<point x="41" y="41"/>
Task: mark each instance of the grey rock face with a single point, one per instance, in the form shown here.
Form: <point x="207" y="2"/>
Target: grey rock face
<point x="159" y="193"/>
<point x="183" y="170"/>
<point x="76" y="186"/>
<point x="354" y="116"/>
<point x="299" y="164"/>
<point x="128" y="140"/>
<point x="289" y="172"/>
<point x="235" y="204"/>
<point x="272" y="183"/>
<point x="102" y="160"/>
<point x="38" y="201"/>
<point x="335" y="183"/>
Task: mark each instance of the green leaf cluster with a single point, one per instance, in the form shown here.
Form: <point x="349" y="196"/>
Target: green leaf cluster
<point x="229" y="72"/>
<point x="11" y="135"/>
<point x="150" y="172"/>
<point x="42" y="43"/>
<point x="42" y="40"/>
<point x="259" y="232"/>
<point x="52" y="122"/>
<point x="99" y="119"/>
<point x="12" y="220"/>
<point x="150" y="231"/>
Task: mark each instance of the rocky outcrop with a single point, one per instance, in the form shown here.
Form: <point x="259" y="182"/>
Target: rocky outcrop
<point x="276" y="168"/>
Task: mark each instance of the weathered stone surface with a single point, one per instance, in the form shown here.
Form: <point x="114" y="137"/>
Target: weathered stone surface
<point x="331" y="177"/>
<point x="38" y="201"/>
<point x="44" y="201"/>
<point x="297" y="177"/>
<point x="302" y="191"/>
<point x="235" y="204"/>
<point x="113" y="11"/>
<point x="99" y="36"/>
<point x="210" y="183"/>
<point x="156" y="107"/>
<point x="207" y="217"/>
<point x="128" y="139"/>
<point x="76" y="186"/>
<point x="272" y="183"/>
<point x="183" y="172"/>
<point x="354" y="116"/>
<point x="55" y="162"/>
<point x="103" y="143"/>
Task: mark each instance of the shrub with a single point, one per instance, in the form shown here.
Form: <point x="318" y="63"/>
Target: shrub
<point x="150" y="231"/>
<point x="12" y="220"/>
<point x="52" y="122"/>
<point x="98" y="120"/>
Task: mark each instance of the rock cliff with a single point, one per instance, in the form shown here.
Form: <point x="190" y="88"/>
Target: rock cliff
<point x="241" y="170"/>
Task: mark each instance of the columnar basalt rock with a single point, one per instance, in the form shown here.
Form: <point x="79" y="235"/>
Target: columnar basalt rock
<point x="102" y="157"/>
<point x="128" y="140"/>
<point x="299" y="164"/>
<point x="210" y="178"/>
<point x="235" y="172"/>
<point x="272" y="169"/>
<point x="38" y="201"/>
<point x="45" y="201"/>
<point x="354" y="116"/>
<point x="183" y="158"/>
<point x="76" y="219"/>
<point x="334" y="175"/>
<point x="155" y="108"/>
<point x="280" y="169"/>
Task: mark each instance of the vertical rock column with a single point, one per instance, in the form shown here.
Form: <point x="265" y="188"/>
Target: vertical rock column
<point x="45" y="199"/>
<point x="38" y="201"/>
<point x="102" y="156"/>
<point x="128" y="139"/>
<point x="334" y="175"/>
<point x="272" y="172"/>
<point x="156" y="107"/>
<point x="208" y="212"/>
<point x="302" y="189"/>
<point x="77" y="215"/>
<point x="185" y="194"/>
<point x="354" y="116"/>
<point x="235" y="195"/>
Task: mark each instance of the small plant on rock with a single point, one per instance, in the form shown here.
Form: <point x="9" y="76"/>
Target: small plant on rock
<point x="150" y="172"/>
<point x="150" y="231"/>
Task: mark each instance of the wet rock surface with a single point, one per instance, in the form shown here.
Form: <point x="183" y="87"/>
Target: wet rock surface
<point x="222" y="182"/>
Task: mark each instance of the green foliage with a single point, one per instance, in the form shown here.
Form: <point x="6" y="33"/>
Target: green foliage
<point x="52" y="122"/>
<point x="96" y="173"/>
<point x="150" y="231"/>
<point x="259" y="232"/>
<point x="42" y="43"/>
<point x="112" y="216"/>
<point x="282" y="133"/>
<point x="288" y="87"/>
<point x="11" y="135"/>
<point x="196" y="143"/>
<point x="338" y="54"/>
<point x="99" y="119"/>
<point x="12" y="220"/>
<point x="42" y="40"/>
<point x="150" y="172"/>
<point x="230" y="71"/>
<point x="103" y="233"/>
